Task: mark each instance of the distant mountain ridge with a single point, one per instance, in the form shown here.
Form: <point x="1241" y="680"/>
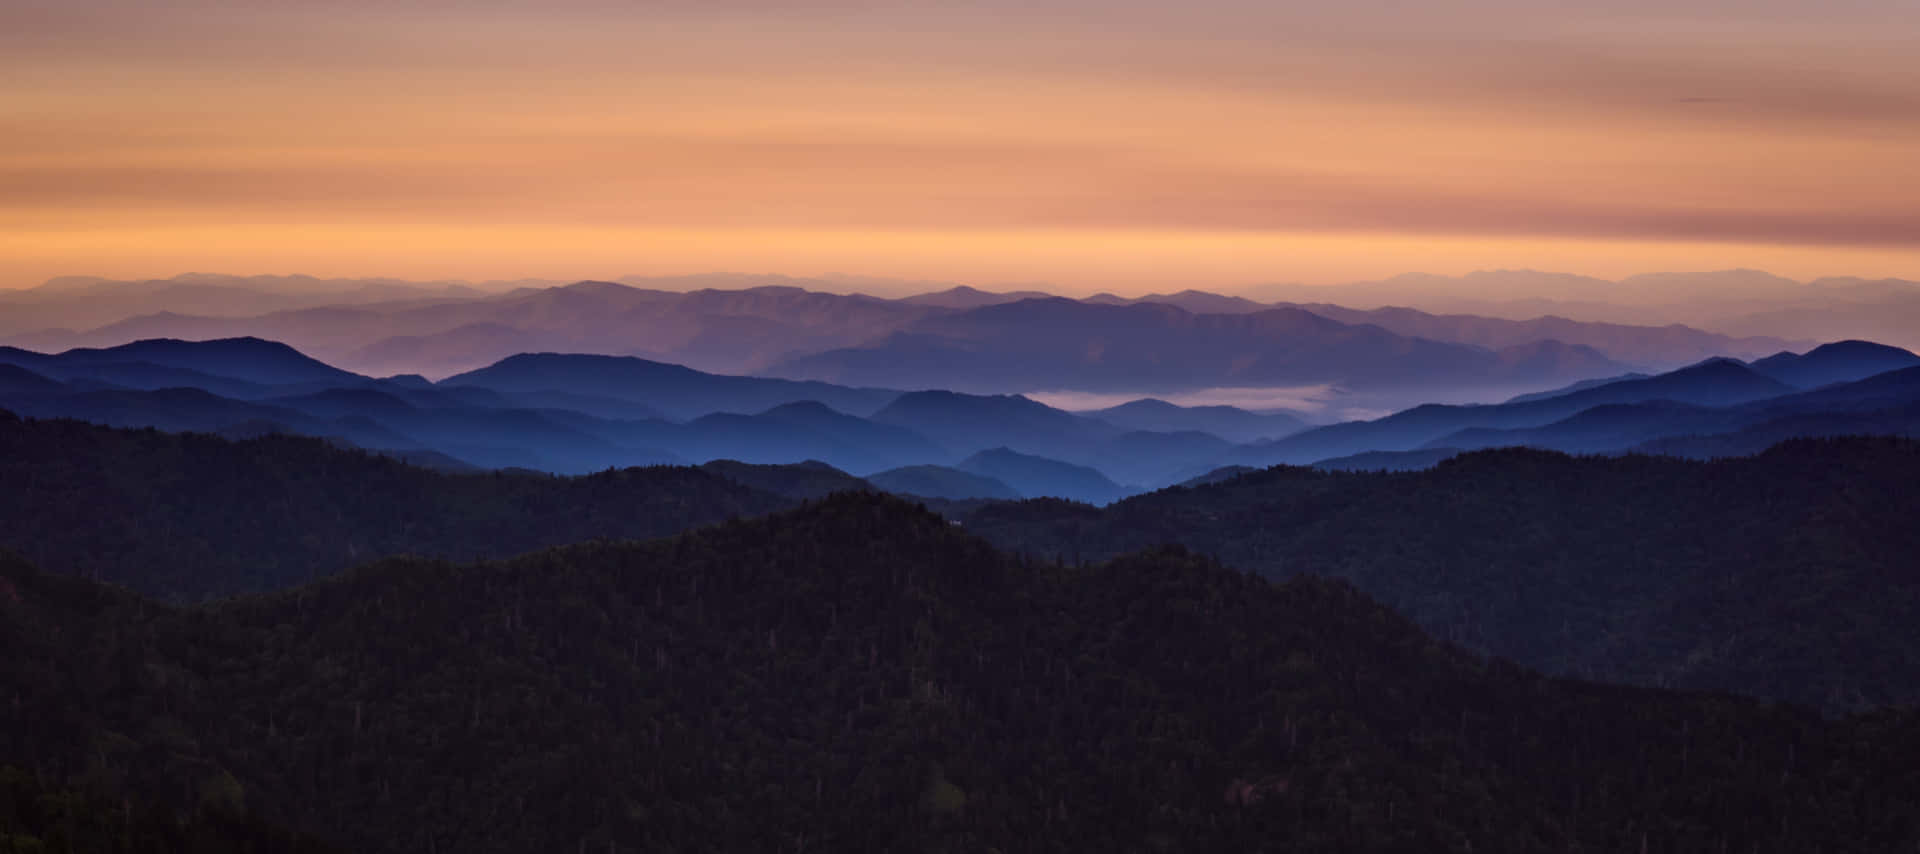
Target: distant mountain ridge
<point x="565" y="413"/>
<point x="1714" y="383"/>
<point x="1031" y="475"/>
<point x="675" y="390"/>
<point x="246" y="359"/>
<point x="1227" y="422"/>
<point x="1639" y="345"/>
<point x="1056" y="343"/>
<point x="571" y="413"/>
<point x="725" y="323"/>
<point x="1838" y="362"/>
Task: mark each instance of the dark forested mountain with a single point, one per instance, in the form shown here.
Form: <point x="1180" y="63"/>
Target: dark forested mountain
<point x="1786" y="575"/>
<point x="1385" y="460"/>
<point x="802" y="480"/>
<point x="1227" y="422"/>
<point x="190" y="516"/>
<point x="1031" y="475"/>
<point x="1045" y="344"/>
<point x="677" y="391"/>
<point x="1217" y="475"/>
<point x="38" y="816"/>
<point x="860" y="675"/>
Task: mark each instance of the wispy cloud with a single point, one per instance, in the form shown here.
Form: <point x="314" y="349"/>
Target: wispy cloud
<point x="1304" y="399"/>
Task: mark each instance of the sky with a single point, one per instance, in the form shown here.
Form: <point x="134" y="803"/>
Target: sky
<point x="1114" y="145"/>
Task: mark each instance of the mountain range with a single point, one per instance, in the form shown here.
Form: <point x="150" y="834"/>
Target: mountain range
<point x="786" y="326"/>
<point x="1724" y="575"/>
<point x="1737" y="303"/>
<point x="1716" y="396"/>
<point x="859" y="674"/>
<point x="502" y="612"/>
<point x="1067" y="344"/>
<point x="571" y="413"/>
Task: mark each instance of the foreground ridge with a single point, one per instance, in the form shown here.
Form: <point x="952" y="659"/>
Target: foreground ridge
<point x="859" y="674"/>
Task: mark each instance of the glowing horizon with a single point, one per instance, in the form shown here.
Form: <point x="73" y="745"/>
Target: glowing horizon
<point x="1118" y="146"/>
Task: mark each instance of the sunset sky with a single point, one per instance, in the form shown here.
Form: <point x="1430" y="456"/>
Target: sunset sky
<point x="1120" y="145"/>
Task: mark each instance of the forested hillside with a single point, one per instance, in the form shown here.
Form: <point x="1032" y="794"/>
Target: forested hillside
<point x="188" y="516"/>
<point x="1788" y="575"/>
<point x="38" y="817"/>
<point x="860" y="675"/>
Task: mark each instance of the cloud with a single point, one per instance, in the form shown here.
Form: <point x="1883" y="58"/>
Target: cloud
<point x="1305" y="399"/>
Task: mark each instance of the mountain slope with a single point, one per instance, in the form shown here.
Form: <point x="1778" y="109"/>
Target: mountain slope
<point x="800" y="481"/>
<point x="1879" y="405"/>
<point x="193" y="516"/>
<point x="1839" y="362"/>
<point x="861" y="676"/>
<point x="18" y="380"/>
<point x="1765" y="432"/>
<point x="1039" y="476"/>
<point x="1717" y="382"/>
<point x="1788" y="575"/>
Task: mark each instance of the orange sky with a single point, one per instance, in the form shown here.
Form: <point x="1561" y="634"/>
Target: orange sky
<point x="1117" y="145"/>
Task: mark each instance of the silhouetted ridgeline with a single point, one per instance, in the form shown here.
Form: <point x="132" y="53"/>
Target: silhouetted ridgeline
<point x="1789" y="575"/>
<point x="184" y="515"/>
<point x="859" y="675"/>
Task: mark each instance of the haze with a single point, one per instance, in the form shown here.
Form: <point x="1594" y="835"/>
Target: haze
<point x="1110" y="146"/>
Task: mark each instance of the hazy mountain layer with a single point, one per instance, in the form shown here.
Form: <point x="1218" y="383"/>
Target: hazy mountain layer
<point x="730" y="323"/>
<point x="1063" y="344"/>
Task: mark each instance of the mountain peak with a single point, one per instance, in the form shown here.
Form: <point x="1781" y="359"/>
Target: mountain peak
<point x="1839" y="361"/>
<point x="595" y="286"/>
<point x="246" y="358"/>
<point x="805" y="407"/>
